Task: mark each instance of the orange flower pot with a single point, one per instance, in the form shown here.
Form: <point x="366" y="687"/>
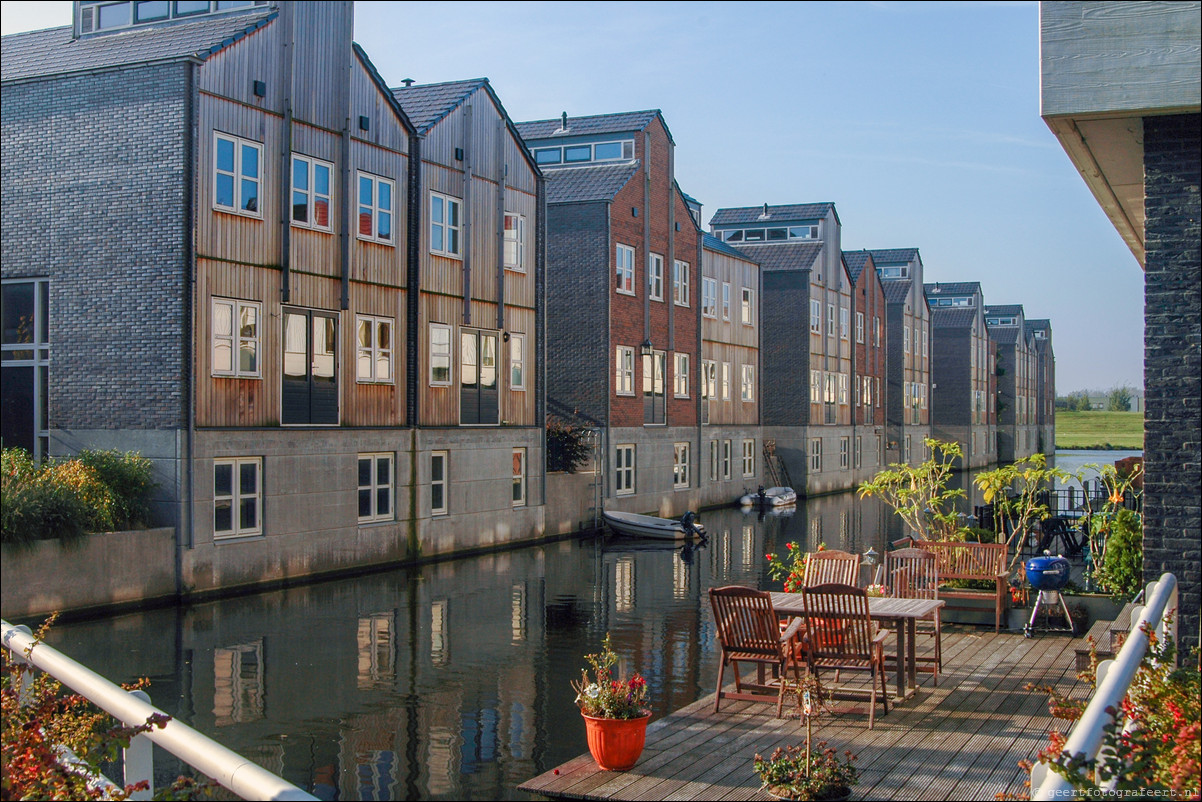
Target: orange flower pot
<point x="616" y="743"/>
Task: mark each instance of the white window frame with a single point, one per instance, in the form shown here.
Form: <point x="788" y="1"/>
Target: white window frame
<point x="373" y="351"/>
<point x="436" y="356"/>
<point x="655" y="278"/>
<point x="709" y="379"/>
<point x="876" y="331"/>
<point x="726" y="300"/>
<point x="727" y="454"/>
<point x="709" y="297"/>
<point x="237" y="177"/>
<point x="816" y="454"/>
<point x="624" y="469"/>
<point x="624" y="268"/>
<point x="859" y="452"/>
<point x="624" y="370"/>
<point x="680" y="375"/>
<point x="815" y="387"/>
<point x="235" y="340"/>
<point x="725" y="381"/>
<point x="311" y="194"/>
<point x="443" y="482"/>
<point x="236" y="497"/>
<point x="680" y="283"/>
<point x="374" y="486"/>
<point x="747" y="306"/>
<point x="375" y="208"/>
<point x="519" y="478"/>
<point x="815" y="316"/>
<point x="924" y="342"/>
<point x="905" y="339"/>
<point x="714" y="460"/>
<point x="747" y="385"/>
<point x="446" y="227"/>
<point x="680" y="465"/>
<point x="515" y="242"/>
<point x="876" y="390"/>
<point x="860" y="328"/>
<point x="844" y="323"/>
<point x="843" y="393"/>
<point x="844" y="453"/>
<point x="830" y="320"/>
<point x="748" y="459"/>
<point x="517" y="359"/>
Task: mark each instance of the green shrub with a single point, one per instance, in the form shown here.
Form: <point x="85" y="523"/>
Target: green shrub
<point x="1122" y="569"/>
<point x="568" y="446"/>
<point x="128" y="476"/>
<point x="39" y="505"/>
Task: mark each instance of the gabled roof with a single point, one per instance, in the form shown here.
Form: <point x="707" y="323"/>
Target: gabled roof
<point x="427" y="104"/>
<point x="378" y="80"/>
<point x="953" y="288"/>
<point x="1004" y="335"/>
<point x="582" y="184"/>
<point x="784" y="255"/>
<point x="897" y="290"/>
<point x="856" y="261"/>
<point x="1039" y="323"/>
<point x="891" y="255"/>
<point x="951" y="317"/>
<point x="712" y="243"/>
<point x="54" y="51"/>
<point x="619" y="123"/>
<point x="778" y="215"/>
<point x="1004" y="309"/>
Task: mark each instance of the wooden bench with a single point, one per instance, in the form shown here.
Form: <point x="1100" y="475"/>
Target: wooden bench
<point x="985" y="561"/>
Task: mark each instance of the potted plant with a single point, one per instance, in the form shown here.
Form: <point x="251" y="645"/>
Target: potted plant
<point x="796" y="772"/>
<point x="615" y="711"/>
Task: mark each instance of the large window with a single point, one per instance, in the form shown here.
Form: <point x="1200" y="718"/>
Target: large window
<point x="709" y="297"/>
<point x="519" y="477"/>
<point x="446" y="225"/>
<point x="655" y="277"/>
<point x="859" y="327"/>
<point x="236" y="338"/>
<point x="843" y="323"/>
<point x="844" y="455"/>
<point x="373" y="349"/>
<point x="624" y="269"/>
<point x="777" y="234"/>
<point x="375" y="487"/>
<point x="680" y="465"/>
<point x="830" y="320"/>
<point x="624" y="376"/>
<point x="725" y="381"/>
<point x="815" y="387"/>
<point x="515" y="242"/>
<point x="725" y="300"/>
<point x="815" y="454"/>
<point x="440" y="355"/>
<point x="748" y="307"/>
<point x="98" y="16"/>
<point x="815" y="316"/>
<point x="680" y="283"/>
<point x="709" y="379"/>
<point x="583" y="153"/>
<point x="311" y="192"/>
<point x="237" y="175"/>
<point x="375" y="208"/>
<point x="624" y="469"/>
<point x="438" y="482"/>
<point x="726" y="459"/>
<point x="655" y="405"/>
<point x="517" y="362"/>
<point x="237" y="497"/>
<point x="747" y="392"/>
<point x="680" y="376"/>
<point x="25" y="348"/>
<point x="748" y="459"/>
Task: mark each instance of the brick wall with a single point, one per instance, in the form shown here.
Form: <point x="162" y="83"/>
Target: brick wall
<point x="94" y="198"/>
<point x="1172" y="379"/>
<point x="784" y="336"/>
<point x="951" y="400"/>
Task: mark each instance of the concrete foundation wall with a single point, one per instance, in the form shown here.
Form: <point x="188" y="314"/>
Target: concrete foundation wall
<point x="569" y="505"/>
<point x="720" y="492"/>
<point x="654" y="490"/>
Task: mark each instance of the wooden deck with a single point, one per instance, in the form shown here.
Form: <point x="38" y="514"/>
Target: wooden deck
<point x="960" y="740"/>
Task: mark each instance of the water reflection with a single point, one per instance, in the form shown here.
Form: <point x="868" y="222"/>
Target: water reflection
<point x="451" y="680"/>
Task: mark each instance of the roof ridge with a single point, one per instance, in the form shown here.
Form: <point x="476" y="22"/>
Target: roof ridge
<point x="437" y="83"/>
<point x="591" y="116"/>
<point x="30" y="33"/>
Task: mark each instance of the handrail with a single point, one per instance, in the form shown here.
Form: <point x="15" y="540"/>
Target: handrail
<point x="245" y="778"/>
<point x="1114" y="678"/>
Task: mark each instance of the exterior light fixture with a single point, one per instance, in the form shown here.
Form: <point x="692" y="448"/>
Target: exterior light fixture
<point x="870" y="557"/>
<point x="645" y="349"/>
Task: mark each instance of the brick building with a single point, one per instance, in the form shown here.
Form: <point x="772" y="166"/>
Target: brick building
<point x="1039" y="333"/>
<point x="869" y="316"/>
<point x="1017" y="433"/>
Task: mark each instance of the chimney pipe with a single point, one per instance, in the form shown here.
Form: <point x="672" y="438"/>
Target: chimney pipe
<point x="564" y="124"/>
<point x="408" y="82"/>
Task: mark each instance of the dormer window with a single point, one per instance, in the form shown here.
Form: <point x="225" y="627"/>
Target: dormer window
<point x="586" y="153"/>
<point x="774" y="234"/>
<point x="1001" y="321"/>
<point x="95" y="15"/>
<point x="893" y="271"/>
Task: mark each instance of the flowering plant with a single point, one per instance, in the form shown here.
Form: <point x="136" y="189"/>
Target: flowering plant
<point x="797" y="773"/>
<point x="792" y="569"/>
<point x="879" y="591"/>
<point x="606" y="697"/>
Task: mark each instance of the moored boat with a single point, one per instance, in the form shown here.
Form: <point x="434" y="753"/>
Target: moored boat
<point x="770" y="497"/>
<point x="649" y="526"/>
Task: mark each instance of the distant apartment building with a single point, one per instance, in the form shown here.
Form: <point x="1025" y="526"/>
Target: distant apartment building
<point x="868" y="324"/>
<point x="908" y="359"/>
<point x="1017" y="432"/>
<point x="961" y="367"/>
<point x="1040" y="335"/>
<point x="624" y="263"/>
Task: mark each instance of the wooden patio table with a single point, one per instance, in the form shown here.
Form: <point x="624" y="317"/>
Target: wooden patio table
<point x="903" y="612"/>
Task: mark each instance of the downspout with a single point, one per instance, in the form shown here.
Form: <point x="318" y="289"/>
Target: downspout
<point x="501" y="184"/>
<point x="466" y="214"/>
<point x="186" y="538"/>
<point x="609" y="349"/>
<point x="540" y="318"/>
<point x="348" y="189"/>
<point x="670" y="261"/>
<point x="413" y="225"/>
<point x="694" y="370"/>
<point x="288" y="21"/>
<point x="647" y="245"/>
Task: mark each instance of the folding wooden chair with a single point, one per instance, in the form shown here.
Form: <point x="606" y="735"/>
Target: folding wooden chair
<point x="749" y="632"/>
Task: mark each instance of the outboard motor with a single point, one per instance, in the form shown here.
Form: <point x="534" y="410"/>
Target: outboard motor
<point x="763" y="496"/>
<point x="1048" y="575"/>
<point x="689" y="522"/>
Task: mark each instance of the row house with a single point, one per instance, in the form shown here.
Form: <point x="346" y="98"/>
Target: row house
<point x="1017" y="433"/>
<point x="963" y="401"/>
<point x="624" y="259"/>
<point x="249" y="315"/>
<point x="908" y="354"/>
<point x="869" y="381"/>
<point x="1039" y="333"/>
<point x="798" y="249"/>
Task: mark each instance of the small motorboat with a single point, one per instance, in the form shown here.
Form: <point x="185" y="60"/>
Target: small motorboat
<point x="633" y="525"/>
<point x="769" y="497"/>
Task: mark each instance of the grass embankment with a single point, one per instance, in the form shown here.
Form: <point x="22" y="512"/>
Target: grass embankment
<point x="1095" y="429"/>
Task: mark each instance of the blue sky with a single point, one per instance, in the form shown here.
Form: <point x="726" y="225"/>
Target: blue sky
<point x="920" y="121"/>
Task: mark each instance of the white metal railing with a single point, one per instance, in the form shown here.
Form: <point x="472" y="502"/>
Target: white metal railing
<point x="245" y="778"/>
<point x="1113" y="680"/>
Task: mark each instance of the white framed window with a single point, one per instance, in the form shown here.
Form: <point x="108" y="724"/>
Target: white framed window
<point x="924" y="342"/>
<point x="624" y="377"/>
<point x="311" y="192"/>
<point x="624" y="469"/>
<point x="709" y="379"/>
<point x="680" y="376"/>
<point x="236" y="338"/>
<point x="624" y="269"/>
<point x="843" y="389"/>
<point x="747" y="385"/>
<point x="859" y="453"/>
<point x="860" y="327"/>
<point x="517" y="362"/>
<point x="376" y="475"/>
<point x="748" y="459"/>
<point x="726" y="300"/>
<point x="709" y="297"/>
<point x="726" y="457"/>
<point x="519" y="477"/>
<point x="907" y="394"/>
<point x="237" y="175"/>
<point x="815" y="387"/>
<point x="747" y="307"/>
<point x="830" y="320"/>
<point x="655" y="277"/>
<point x="373" y="349"/>
<point x="680" y="465"/>
<point x="816" y="454"/>
<point x="375" y="208"/>
<point x="844" y="452"/>
<point x="680" y="283"/>
<point x="25" y="356"/>
<point x="815" y="316"/>
<point x="446" y="225"/>
<point x="906" y="455"/>
<point x="515" y="242"/>
<point x="844" y="323"/>
<point x="715" y="459"/>
<point x="725" y="381"/>
<point x="905" y="339"/>
<point x="439" y="463"/>
<point x="440" y="355"/>
<point x="876" y="331"/>
<point x="829" y="396"/>
<point x="876" y="389"/>
<point x="237" y="497"/>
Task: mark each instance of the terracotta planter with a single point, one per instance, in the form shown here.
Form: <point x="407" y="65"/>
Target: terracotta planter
<point x="616" y="743"/>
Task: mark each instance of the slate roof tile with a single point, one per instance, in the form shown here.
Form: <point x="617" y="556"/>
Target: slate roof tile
<point x="621" y="122"/>
<point x="581" y="184"/>
<point x="953" y="288"/>
<point x="947" y="317"/>
<point x="893" y="255"/>
<point x="714" y="244"/>
<point x="784" y="255"/>
<point x="856" y="262"/>
<point x="1004" y="309"/>
<point x="427" y="104"/>
<point x="778" y="215"/>
<point x="897" y="290"/>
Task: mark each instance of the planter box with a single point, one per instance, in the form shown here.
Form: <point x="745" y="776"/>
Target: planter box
<point x="979" y="612"/>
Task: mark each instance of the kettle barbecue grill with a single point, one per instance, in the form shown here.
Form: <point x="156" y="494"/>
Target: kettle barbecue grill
<point x="1048" y="575"/>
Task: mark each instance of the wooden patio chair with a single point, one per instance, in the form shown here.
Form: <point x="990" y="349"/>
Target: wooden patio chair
<point x="841" y="635"/>
<point x="832" y="567"/>
<point x="748" y="632"/>
<point x="914" y="574"/>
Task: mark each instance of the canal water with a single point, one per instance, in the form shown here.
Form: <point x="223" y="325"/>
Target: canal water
<point x="451" y="680"/>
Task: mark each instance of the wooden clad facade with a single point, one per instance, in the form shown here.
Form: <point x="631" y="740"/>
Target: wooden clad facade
<point x="727" y="339"/>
